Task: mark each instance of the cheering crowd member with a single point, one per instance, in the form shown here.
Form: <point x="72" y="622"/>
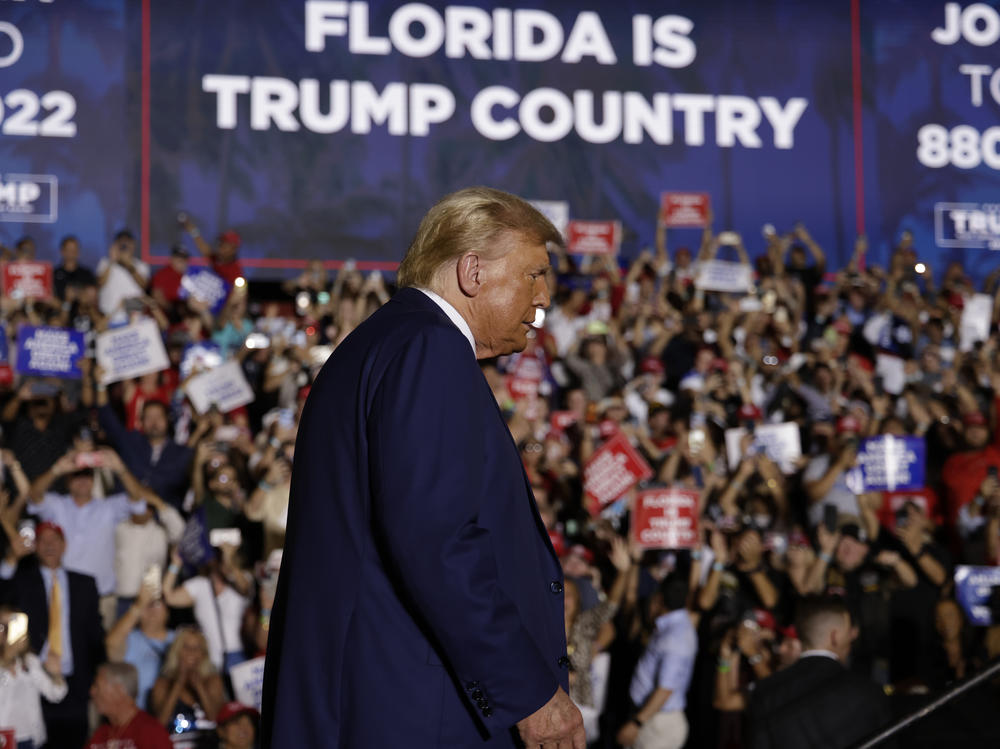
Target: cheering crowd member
<point x="441" y="594"/>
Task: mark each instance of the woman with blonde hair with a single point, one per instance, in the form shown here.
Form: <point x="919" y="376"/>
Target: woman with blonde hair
<point x="188" y="690"/>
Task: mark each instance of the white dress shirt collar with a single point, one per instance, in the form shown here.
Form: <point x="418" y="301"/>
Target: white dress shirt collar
<point x="453" y="315"/>
<point x="821" y="653"/>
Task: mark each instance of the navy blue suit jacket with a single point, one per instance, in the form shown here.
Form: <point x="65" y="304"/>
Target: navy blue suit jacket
<point x="419" y="602"/>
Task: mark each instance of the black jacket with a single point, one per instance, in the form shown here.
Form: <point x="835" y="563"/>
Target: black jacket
<point x="26" y="590"/>
<point x="815" y="703"/>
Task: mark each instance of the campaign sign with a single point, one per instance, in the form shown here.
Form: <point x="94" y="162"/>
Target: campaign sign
<point x="594" y="237"/>
<point x="614" y="469"/>
<point x="924" y="500"/>
<point x="248" y="681"/>
<point x="49" y="352"/>
<point x="556" y="211"/>
<point x="522" y="387"/>
<point x="684" y="209"/>
<point x="890" y="463"/>
<point x="724" y="275"/>
<point x="205" y="286"/>
<point x="526" y="376"/>
<point x="975" y="325"/>
<point x="199" y="357"/>
<point x="562" y="420"/>
<point x="27" y="280"/>
<point x="131" y="351"/>
<point x="780" y="442"/>
<point x="973" y="589"/>
<point x="224" y="387"/>
<point x="7" y="740"/>
<point x="666" y="519"/>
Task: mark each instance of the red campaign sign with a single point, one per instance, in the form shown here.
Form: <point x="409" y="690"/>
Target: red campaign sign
<point x="607" y="429"/>
<point x="27" y="280"/>
<point x="521" y="387"/>
<point x="666" y="519"/>
<point x="684" y="209"/>
<point x="562" y="420"/>
<point x="526" y="375"/>
<point x="612" y="471"/>
<point x="7" y="740"/>
<point x="893" y="502"/>
<point x="593" y="237"/>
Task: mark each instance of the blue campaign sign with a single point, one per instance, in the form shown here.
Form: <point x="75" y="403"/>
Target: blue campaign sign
<point x="4" y="353"/>
<point x="207" y="287"/>
<point x="973" y="588"/>
<point x="890" y="463"/>
<point x="49" y="352"/>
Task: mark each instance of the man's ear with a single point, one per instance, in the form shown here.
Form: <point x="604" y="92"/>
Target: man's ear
<point x="469" y="270"/>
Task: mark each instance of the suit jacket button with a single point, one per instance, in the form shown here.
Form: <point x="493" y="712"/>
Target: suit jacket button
<point x="556" y="587"/>
<point x="477" y="695"/>
<point x="487" y="711"/>
<point x="563" y="661"/>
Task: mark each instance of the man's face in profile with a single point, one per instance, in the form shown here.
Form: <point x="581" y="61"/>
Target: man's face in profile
<point x="513" y="287"/>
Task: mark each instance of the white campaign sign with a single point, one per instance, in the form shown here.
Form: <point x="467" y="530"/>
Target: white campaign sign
<point x="248" y="681"/>
<point x="556" y="211"/>
<point x="780" y="442"/>
<point x="132" y="351"/>
<point x="723" y="275"/>
<point x="225" y="387"/>
<point x="975" y="325"/>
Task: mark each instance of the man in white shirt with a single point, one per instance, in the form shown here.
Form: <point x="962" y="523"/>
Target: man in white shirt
<point x="141" y="541"/>
<point x="120" y="276"/>
<point x="88" y="522"/>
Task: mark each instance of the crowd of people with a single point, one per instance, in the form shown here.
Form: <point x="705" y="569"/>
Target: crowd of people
<point x="143" y="539"/>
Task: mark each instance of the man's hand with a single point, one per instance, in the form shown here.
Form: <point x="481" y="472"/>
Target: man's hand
<point x="556" y="725"/>
<point x="112" y="460"/>
<point x="53" y="665"/>
<point x="628" y="734"/>
<point x="66" y="464"/>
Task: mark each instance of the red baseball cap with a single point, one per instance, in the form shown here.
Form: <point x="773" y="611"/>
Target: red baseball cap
<point x="230" y="237"/>
<point x="651" y="365"/>
<point x="49" y="526"/>
<point x="233" y="710"/>
<point x="764" y="618"/>
<point x="848" y="423"/>
<point x="581" y="551"/>
<point x="974" y="419"/>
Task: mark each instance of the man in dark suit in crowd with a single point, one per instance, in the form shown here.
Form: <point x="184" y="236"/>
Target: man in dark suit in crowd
<point x="816" y="703"/>
<point x="150" y="454"/>
<point x="420" y="602"/>
<point x="63" y="618"/>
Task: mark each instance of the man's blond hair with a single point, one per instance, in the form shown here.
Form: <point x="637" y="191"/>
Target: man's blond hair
<point x="475" y="218"/>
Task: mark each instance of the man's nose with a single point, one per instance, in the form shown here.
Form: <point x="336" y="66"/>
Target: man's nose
<point x="541" y="294"/>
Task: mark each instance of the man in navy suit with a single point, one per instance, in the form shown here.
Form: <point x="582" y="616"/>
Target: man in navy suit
<point x="420" y="602"/>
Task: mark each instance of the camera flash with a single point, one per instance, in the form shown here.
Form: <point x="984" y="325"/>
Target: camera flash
<point x="240" y="282"/>
<point x="920" y="267"/>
